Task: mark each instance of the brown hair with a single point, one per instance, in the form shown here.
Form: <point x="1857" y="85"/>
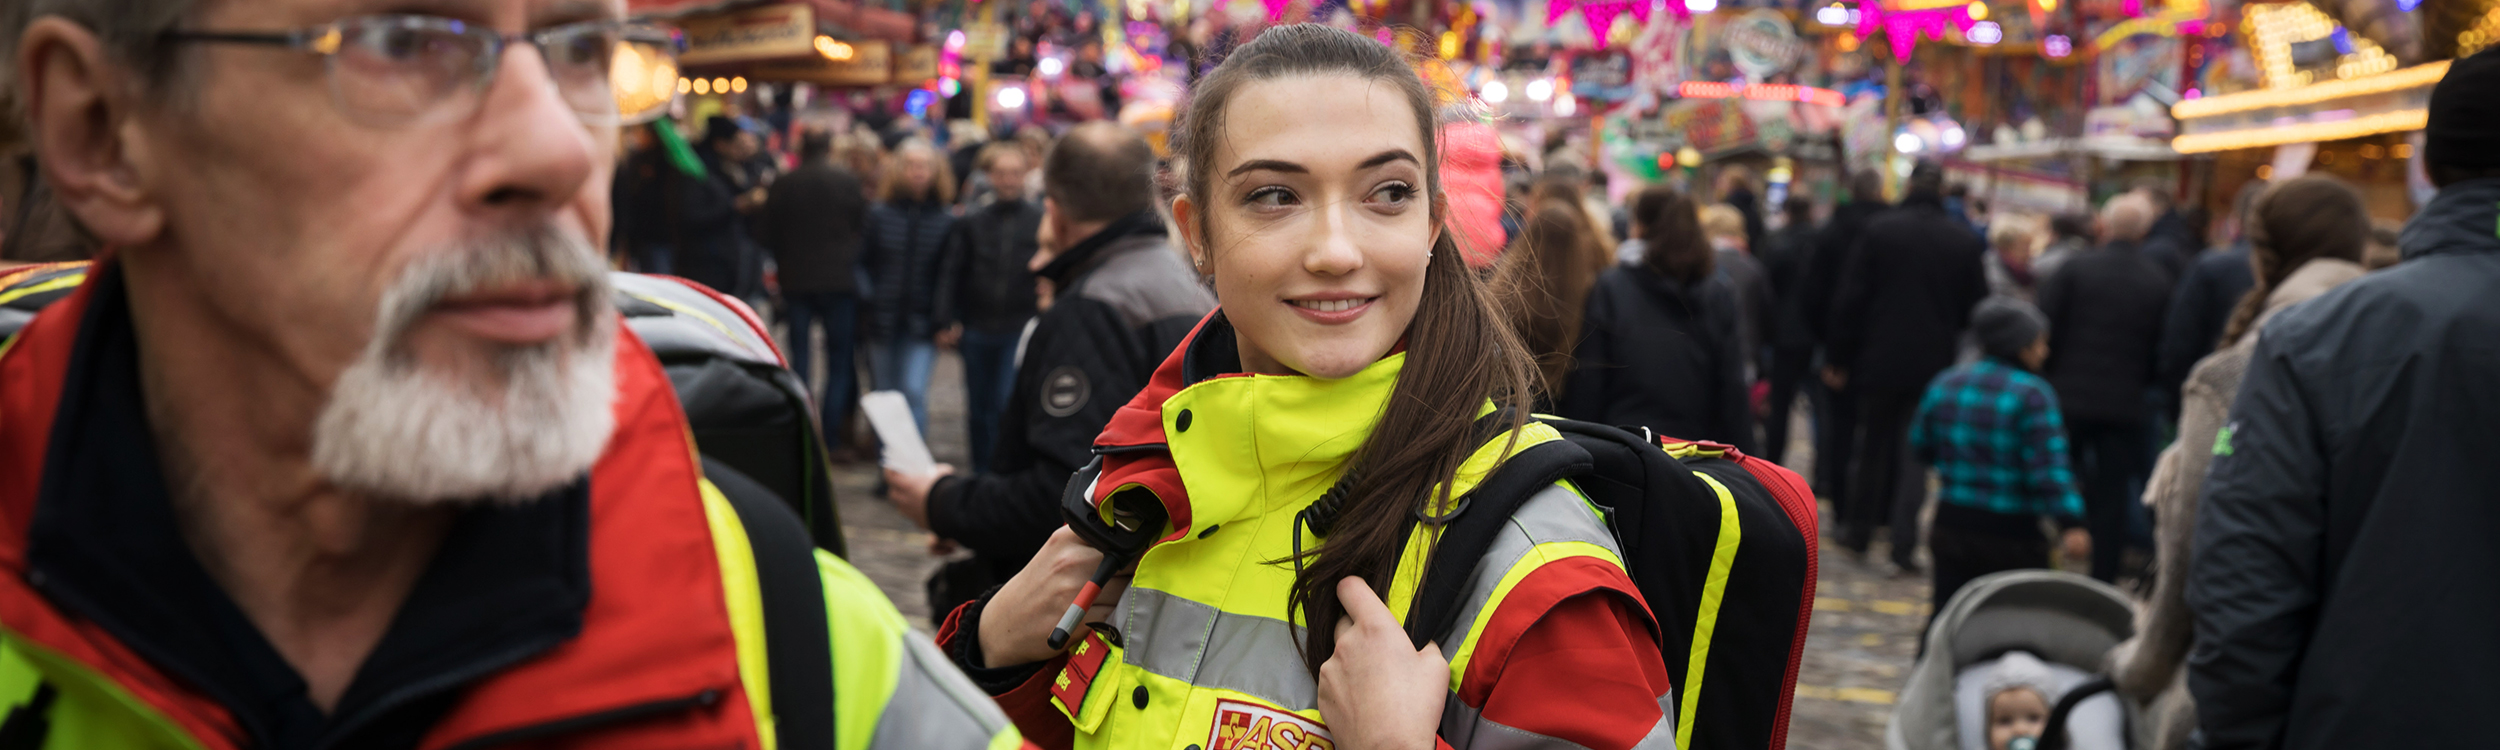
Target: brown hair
<point x="941" y="182"/>
<point x="1458" y="352"/>
<point x="1543" y="281"/>
<point x="2294" y="222"/>
<point x="1671" y="240"/>
<point x="1099" y="171"/>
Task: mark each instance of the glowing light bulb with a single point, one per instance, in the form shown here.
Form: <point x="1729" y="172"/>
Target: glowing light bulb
<point x="1011" y="97"/>
<point x="1540" y="89"/>
<point x="1978" y="10"/>
<point x="1907" y="143"/>
<point x="1495" y="92"/>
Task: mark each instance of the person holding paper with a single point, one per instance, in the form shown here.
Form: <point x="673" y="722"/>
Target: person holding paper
<point x="1122" y="300"/>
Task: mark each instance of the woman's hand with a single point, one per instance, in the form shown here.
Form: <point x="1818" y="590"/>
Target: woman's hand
<point x="1376" y="692"/>
<point x="1015" y="625"/>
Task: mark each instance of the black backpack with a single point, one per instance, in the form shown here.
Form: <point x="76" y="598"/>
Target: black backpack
<point x="1722" y="545"/>
<point x="747" y="411"/>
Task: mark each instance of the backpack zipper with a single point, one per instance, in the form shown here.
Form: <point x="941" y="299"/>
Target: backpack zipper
<point x="706" y="698"/>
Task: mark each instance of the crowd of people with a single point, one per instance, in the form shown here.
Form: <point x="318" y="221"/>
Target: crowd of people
<point x="380" y="467"/>
<point x="2037" y="365"/>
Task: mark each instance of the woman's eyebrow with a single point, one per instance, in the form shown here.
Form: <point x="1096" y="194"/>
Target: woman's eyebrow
<point x="1270" y="165"/>
<point x="1391" y="155"/>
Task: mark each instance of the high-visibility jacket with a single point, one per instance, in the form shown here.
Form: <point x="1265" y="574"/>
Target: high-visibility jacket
<point x="671" y="650"/>
<point x="1553" y="648"/>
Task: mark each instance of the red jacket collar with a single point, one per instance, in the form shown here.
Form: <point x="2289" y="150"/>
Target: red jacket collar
<point x="656" y="627"/>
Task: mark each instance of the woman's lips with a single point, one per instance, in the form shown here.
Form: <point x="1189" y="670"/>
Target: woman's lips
<point x="1332" y="311"/>
<point x="521" y="314"/>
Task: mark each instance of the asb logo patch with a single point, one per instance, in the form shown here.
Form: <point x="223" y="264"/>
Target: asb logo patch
<point x="1250" y="726"/>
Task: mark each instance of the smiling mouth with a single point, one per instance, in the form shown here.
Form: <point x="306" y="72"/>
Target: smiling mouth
<point x="1331" y="305"/>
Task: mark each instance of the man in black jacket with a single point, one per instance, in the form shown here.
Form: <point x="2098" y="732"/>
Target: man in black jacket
<point x="2203" y="301"/>
<point x="1122" y="300"/>
<point x="811" y="223"/>
<point x="1905" y="297"/>
<point x="1836" y="424"/>
<point x="2105" y="309"/>
<point x="2344" y="581"/>
<point x="1792" y="343"/>
<point x="985" y="292"/>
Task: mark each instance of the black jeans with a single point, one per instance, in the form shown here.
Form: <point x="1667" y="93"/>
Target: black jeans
<point x="1963" y="554"/>
<point x="1879" y="496"/>
<point x="2108" y="459"/>
<point x="1789" y="370"/>
<point x="1835" y="449"/>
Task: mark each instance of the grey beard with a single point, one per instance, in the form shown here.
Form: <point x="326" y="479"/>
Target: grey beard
<point x="394" y="430"/>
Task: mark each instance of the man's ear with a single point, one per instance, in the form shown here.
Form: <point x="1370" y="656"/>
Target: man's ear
<point x="1185" y="218"/>
<point x="84" y="137"/>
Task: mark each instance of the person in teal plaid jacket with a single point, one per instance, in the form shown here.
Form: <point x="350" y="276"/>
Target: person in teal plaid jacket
<point x="1991" y="430"/>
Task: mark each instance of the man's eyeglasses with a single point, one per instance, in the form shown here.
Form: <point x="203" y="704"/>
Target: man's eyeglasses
<point x="397" y="69"/>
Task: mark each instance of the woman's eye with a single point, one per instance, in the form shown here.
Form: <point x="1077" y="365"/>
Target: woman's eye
<point x="1393" y="193"/>
<point x="1270" y="197"/>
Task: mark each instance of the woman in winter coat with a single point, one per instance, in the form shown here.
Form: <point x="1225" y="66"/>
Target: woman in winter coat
<point x="904" y="243"/>
<point x="1659" y="343"/>
<point x="2307" y="237"/>
<point x="1276" y="459"/>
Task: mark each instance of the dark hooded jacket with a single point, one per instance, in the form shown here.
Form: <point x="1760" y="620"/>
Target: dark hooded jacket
<point x="2344" y="583"/>
<point x="1905" y="296"/>
<point x="1662" y="355"/>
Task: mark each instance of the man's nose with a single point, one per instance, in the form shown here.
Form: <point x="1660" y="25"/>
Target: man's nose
<point x="530" y="150"/>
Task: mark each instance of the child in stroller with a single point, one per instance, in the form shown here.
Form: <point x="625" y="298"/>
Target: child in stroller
<point x="2057" y="627"/>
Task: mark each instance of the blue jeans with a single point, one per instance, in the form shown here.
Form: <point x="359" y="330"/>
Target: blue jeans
<point x="903" y="365"/>
<point x="839" y="314"/>
<point x="989" y="376"/>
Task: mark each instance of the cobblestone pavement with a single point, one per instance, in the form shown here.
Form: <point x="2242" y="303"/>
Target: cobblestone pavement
<point x="1858" y="652"/>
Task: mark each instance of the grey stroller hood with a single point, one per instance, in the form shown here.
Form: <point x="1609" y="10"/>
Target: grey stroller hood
<point x="2063" y="618"/>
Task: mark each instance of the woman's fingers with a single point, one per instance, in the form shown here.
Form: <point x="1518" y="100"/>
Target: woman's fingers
<point x="1361" y="605"/>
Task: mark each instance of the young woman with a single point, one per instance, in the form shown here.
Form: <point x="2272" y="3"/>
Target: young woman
<point x="2306" y="236"/>
<point x="904" y="242"/>
<point x="1659" y="343"/>
<point x="1297" y="442"/>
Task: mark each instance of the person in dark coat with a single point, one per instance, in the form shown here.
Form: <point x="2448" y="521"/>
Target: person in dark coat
<point x="811" y="223"/>
<point x="1836" y="421"/>
<point x="706" y="213"/>
<point x="1124" y="300"/>
<point x="1658" y="343"/>
<point x="2345" y="581"/>
<point x="985" y="293"/>
<point x="1784" y="259"/>
<point x="905" y="231"/>
<point x="2202" y="303"/>
<point x="1904" y="299"/>
<point x="2170" y="242"/>
<point x="2105" y="308"/>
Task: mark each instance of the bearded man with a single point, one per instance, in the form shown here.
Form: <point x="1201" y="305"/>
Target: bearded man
<point x="340" y="443"/>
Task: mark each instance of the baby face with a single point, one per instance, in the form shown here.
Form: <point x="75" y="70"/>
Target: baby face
<point x="2016" y="712"/>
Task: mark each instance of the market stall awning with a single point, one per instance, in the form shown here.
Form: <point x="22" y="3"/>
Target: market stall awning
<point x="2334" y="110"/>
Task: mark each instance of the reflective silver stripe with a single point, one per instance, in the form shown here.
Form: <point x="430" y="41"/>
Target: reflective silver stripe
<point x="1465" y="728"/>
<point x="1198" y="644"/>
<point x="1554" y="514"/>
<point x="933" y="705"/>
